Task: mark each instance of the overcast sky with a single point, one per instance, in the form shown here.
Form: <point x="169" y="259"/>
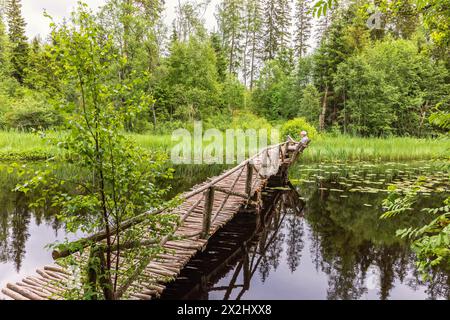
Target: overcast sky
<point x="37" y="24"/>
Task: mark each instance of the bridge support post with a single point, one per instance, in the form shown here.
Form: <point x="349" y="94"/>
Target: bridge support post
<point x="207" y="212"/>
<point x="248" y="184"/>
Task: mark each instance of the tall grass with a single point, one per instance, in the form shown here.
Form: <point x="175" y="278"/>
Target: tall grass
<point x="153" y="142"/>
<point x="17" y="145"/>
<point x="344" y="148"/>
<point x="28" y="146"/>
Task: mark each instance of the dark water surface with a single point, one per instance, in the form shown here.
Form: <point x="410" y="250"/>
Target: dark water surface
<point x="322" y="239"/>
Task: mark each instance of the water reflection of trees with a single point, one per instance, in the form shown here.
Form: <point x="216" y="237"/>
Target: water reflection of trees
<point x="15" y="218"/>
<point x="263" y="253"/>
<point x="348" y="238"/>
<point x="270" y="245"/>
<point x="348" y="242"/>
<point x="294" y="241"/>
<point x="286" y="213"/>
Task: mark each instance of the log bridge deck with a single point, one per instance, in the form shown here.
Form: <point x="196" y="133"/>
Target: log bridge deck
<point x="204" y="210"/>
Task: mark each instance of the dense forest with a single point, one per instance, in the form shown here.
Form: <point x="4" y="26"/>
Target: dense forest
<point x="264" y="63"/>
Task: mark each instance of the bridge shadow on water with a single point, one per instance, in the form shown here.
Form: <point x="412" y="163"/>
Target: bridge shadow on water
<point x="238" y="248"/>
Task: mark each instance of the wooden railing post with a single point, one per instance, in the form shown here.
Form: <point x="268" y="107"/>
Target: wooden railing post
<point x="248" y="184"/>
<point x="207" y="212"/>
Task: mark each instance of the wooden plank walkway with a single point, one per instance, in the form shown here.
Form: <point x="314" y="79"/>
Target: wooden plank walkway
<point x="238" y="248"/>
<point x="204" y="210"/>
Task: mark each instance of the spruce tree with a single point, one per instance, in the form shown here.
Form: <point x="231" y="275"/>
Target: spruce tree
<point x="18" y="39"/>
<point x="221" y="56"/>
<point x="332" y="51"/>
<point x="4" y="48"/>
<point x="277" y="22"/>
<point x="230" y="25"/>
<point x="253" y="43"/>
<point x="303" y="27"/>
<point x="285" y="23"/>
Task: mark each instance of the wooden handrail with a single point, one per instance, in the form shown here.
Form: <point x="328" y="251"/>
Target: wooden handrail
<point x="228" y="173"/>
<point x="227" y="196"/>
<point x="87" y="241"/>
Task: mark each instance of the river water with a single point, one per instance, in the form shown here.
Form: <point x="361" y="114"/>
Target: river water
<point x="322" y="238"/>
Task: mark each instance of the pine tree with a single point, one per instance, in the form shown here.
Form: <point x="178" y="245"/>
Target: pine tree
<point x="18" y="39"/>
<point x="230" y="24"/>
<point x="322" y="25"/>
<point x="253" y="43"/>
<point x="285" y="23"/>
<point x="277" y="21"/>
<point x="303" y="27"/>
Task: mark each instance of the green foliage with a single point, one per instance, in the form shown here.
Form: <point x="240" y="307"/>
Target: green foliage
<point x="310" y="105"/>
<point x="436" y="15"/>
<point x="189" y="22"/>
<point x="233" y="94"/>
<point x="321" y="7"/>
<point x="396" y="205"/>
<point x="188" y="86"/>
<point x="30" y="113"/>
<point x="246" y="120"/>
<point x="29" y="146"/>
<point x="41" y="72"/>
<point x="18" y="39"/>
<point x="295" y="126"/>
<point x="221" y="57"/>
<point x="134" y="28"/>
<point x="349" y="75"/>
<point x="122" y="180"/>
<point x="390" y="89"/>
<point x="430" y="242"/>
<point x="271" y="91"/>
<point x="441" y="119"/>
<point x="303" y="23"/>
<point x="4" y="49"/>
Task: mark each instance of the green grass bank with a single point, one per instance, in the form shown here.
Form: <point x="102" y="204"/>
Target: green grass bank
<point x="18" y="146"/>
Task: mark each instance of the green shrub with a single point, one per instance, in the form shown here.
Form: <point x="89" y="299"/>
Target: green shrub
<point x="240" y="120"/>
<point x="295" y="126"/>
<point x="247" y="120"/>
<point x="30" y="113"/>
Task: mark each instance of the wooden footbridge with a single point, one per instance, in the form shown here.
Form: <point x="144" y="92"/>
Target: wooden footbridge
<point x="203" y="211"/>
<point x="237" y="250"/>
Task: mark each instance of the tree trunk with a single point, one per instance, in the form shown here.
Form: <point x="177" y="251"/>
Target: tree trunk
<point x="423" y="114"/>
<point x="324" y="110"/>
<point x="154" y="115"/>
<point x="252" y="66"/>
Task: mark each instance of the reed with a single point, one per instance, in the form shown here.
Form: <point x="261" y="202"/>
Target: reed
<point x="344" y="148"/>
<point x="16" y="145"/>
